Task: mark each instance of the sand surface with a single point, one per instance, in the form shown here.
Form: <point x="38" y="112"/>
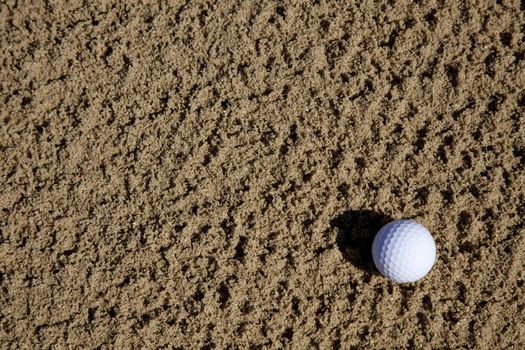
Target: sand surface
<point x="210" y="174"/>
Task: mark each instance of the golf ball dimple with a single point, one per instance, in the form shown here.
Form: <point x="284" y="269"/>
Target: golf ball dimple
<point x="404" y="251"/>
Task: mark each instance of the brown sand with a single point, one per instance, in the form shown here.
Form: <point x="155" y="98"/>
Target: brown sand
<point x="209" y="174"/>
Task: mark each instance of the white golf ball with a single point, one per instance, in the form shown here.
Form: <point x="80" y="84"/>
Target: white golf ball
<point x="404" y="251"/>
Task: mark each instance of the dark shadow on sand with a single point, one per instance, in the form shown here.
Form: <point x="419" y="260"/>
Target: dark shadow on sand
<point x="355" y="233"/>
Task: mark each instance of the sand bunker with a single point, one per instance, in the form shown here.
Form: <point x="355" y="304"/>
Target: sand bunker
<point x="210" y="174"/>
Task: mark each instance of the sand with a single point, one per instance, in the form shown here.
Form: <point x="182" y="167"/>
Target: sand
<point x="210" y="174"/>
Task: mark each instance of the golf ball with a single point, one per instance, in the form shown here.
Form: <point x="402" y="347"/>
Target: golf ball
<point x="404" y="251"/>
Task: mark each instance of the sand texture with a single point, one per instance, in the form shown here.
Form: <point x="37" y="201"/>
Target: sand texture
<point x="210" y="174"/>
